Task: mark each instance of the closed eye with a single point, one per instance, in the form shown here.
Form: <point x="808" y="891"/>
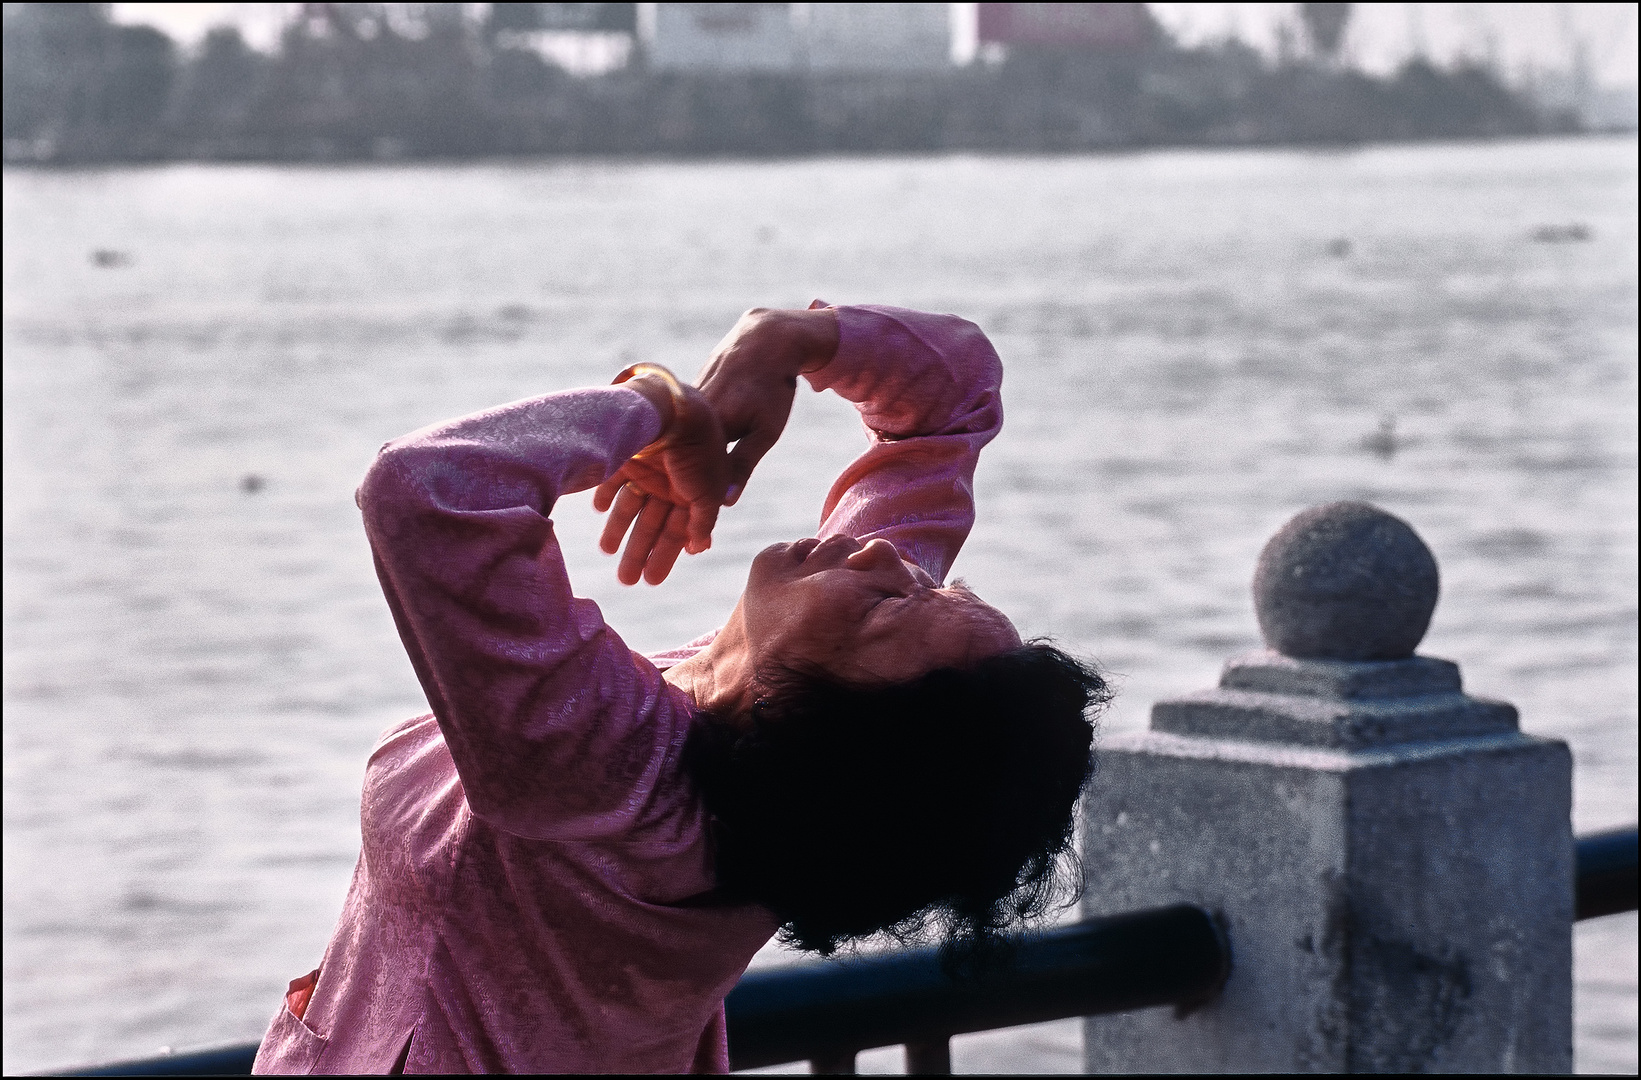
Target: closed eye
<point x="912" y="592"/>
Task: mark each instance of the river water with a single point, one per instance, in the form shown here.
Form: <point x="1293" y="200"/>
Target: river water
<point x="1198" y="345"/>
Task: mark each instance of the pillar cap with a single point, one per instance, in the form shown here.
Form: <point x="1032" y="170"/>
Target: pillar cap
<point x="1345" y="581"/>
<point x="1344" y="680"/>
<point x="1335" y="704"/>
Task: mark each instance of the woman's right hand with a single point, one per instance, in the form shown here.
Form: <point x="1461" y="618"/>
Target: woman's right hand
<point x="752" y="377"/>
<point x="669" y="493"/>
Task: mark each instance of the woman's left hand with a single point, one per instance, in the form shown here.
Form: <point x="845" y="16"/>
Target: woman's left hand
<point x="669" y="494"/>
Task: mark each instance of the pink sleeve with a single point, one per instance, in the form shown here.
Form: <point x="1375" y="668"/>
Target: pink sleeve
<point x="929" y="389"/>
<point x="557" y="730"/>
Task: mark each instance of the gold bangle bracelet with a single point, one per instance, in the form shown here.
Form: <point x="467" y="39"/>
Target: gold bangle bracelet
<point x="675" y="390"/>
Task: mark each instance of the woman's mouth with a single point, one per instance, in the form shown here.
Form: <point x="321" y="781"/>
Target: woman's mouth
<point x="831" y="547"/>
<point x="834" y="547"/>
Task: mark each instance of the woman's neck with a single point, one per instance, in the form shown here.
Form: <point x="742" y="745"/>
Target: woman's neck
<point x="720" y="677"/>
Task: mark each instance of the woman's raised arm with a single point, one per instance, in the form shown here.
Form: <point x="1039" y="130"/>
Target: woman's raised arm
<point x="752" y="377"/>
<point x="747" y="390"/>
<point x="927" y="386"/>
<point x="552" y="723"/>
<point x="929" y="390"/>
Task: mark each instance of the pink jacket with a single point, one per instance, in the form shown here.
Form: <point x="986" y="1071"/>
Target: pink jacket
<point x="530" y="848"/>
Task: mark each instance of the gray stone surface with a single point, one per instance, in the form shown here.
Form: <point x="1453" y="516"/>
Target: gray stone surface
<point x="1397" y="910"/>
<point x="1345" y="581"/>
<point x="1392" y="859"/>
<point x="1330" y="724"/>
<point x="1271" y="671"/>
<point x="1267" y="697"/>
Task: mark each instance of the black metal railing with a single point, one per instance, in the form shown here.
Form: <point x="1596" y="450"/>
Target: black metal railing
<point x="826" y="1013"/>
<point x="232" y="1060"/>
<point x="1606" y="874"/>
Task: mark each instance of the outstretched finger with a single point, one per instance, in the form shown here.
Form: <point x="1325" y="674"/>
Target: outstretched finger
<point x="605" y="493"/>
<point x="645" y="531"/>
<point x="703" y="515"/>
<point x="668" y="546"/>
<point x="628" y="502"/>
<point x="744" y="458"/>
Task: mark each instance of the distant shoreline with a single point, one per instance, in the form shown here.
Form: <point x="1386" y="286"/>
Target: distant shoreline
<point x="82" y="91"/>
<point x="23" y="162"/>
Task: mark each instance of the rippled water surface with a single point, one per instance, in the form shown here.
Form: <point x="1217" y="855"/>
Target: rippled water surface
<point x="197" y="658"/>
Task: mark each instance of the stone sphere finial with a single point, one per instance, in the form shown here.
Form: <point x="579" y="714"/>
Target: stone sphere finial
<point x="1345" y="581"/>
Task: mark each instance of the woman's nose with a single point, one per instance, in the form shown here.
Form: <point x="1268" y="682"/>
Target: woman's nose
<point x="875" y="554"/>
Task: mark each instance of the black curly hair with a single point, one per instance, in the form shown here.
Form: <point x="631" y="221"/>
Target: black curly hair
<point x="939" y="808"/>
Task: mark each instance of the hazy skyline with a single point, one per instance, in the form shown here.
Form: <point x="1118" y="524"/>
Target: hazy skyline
<point x="1517" y="37"/>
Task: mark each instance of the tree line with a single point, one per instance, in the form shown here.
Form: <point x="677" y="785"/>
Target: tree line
<point x="384" y="81"/>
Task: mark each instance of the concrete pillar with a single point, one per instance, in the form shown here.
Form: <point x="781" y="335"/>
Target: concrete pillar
<point x="1392" y="858"/>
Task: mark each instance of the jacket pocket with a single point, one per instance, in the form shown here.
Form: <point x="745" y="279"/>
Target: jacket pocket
<point x="291" y="1046"/>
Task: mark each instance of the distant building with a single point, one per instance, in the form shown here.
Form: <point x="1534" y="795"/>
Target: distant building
<point x="584" y="17"/>
<point x="724" y="37"/>
<point x="1077" y="27"/>
<point x="878" y="37"/>
<point x="584" y="39"/>
<point x="563" y="18"/>
<point x="799" y="37"/>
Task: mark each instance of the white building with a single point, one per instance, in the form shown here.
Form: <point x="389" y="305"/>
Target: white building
<point x="796" y="37"/>
<point x="878" y="37"/>
<point x="721" y="37"/>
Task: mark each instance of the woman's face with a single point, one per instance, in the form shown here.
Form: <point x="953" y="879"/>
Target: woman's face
<point x="862" y="613"/>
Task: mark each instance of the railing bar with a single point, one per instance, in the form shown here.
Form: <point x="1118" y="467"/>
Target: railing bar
<point x="1606" y="875"/>
<point x="1606" y="884"/>
<point x="1164" y="956"/>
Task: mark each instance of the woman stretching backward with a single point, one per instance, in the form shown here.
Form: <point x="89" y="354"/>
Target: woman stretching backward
<point x="570" y="861"/>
